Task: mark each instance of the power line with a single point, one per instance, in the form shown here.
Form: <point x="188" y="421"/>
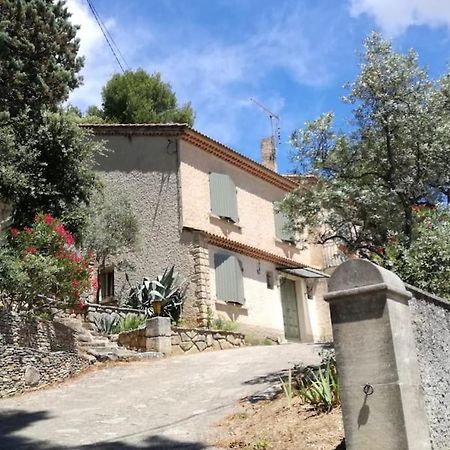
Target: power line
<point x="107" y="35"/>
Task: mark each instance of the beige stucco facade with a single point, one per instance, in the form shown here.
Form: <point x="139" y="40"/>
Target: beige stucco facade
<point x="255" y="199"/>
<point x="256" y="227"/>
<point x="164" y="171"/>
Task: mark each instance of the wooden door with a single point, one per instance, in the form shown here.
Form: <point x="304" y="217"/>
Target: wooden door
<point x="290" y="309"/>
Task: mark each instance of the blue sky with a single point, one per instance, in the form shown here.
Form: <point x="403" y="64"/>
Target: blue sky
<point x="292" y="56"/>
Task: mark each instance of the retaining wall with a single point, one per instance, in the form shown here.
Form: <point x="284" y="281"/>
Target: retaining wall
<point x="34" y="353"/>
<point x="185" y="340"/>
<point x="93" y="309"/>
<point x="194" y="340"/>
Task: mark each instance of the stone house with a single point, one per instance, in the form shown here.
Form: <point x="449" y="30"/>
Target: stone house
<point x="209" y="211"/>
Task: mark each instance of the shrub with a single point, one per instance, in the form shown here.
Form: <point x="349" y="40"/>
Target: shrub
<point x="40" y="267"/>
<point x="129" y="322"/>
<point x="319" y="386"/>
<point x="224" y="324"/>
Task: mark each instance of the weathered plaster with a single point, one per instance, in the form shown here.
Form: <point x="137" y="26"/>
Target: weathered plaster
<point x="431" y="327"/>
<point x="145" y="170"/>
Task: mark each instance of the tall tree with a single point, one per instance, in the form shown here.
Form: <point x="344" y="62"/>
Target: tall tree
<point x="48" y="168"/>
<point x="112" y="228"/>
<point x="46" y="159"/>
<point x="111" y="231"/>
<point x="38" y="54"/>
<point x="394" y="156"/>
<point x="137" y="97"/>
<point x="426" y="262"/>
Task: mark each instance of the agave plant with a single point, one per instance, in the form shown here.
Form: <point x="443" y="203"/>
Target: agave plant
<point x="129" y="322"/>
<point x="163" y="296"/>
<point x="319" y="386"/>
<point x="105" y="323"/>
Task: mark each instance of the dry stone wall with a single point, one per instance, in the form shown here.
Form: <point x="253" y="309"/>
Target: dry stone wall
<point x="35" y="353"/>
<point x="194" y="340"/>
<point x="93" y="310"/>
<point x="133" y="339"/>
<point x="185" y="340"/>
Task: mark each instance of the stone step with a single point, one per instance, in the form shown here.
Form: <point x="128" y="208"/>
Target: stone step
<point x="104" y="355"/>
<point x="96" y="343"/>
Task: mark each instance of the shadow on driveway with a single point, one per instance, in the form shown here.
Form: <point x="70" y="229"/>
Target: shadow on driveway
<point x="13" y="421"/>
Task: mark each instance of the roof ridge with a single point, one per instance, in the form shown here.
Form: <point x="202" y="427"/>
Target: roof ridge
<point x="213" y="146"/>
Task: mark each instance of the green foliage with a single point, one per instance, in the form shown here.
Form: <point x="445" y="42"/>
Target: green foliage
<point x="166" y="289"/>
<point x="111" y="227"/>
<point x="38" y="53"/>
<point x="367" y="181"/>
<point x="319" y="386"/>
<point x="137" y="97"/>
<point x="129" y="322"/>
<point x="261" y="444"/>
<point x="48" y="167"/>
<point x="47" y="160"/>
<point x="39" y="267"/>
<point x="93" y="114"/>
<point x="426" y="263"/>
<point x="224" y="324"/>
<point x="287" y="388"/>
<point x="106" y="323"/>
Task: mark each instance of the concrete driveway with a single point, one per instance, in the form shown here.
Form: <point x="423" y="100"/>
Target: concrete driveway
<point x="163" y="404"/>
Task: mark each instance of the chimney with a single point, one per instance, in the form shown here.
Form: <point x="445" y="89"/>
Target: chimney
<point x="268" y="154"/>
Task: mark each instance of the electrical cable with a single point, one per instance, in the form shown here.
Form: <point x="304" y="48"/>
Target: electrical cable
<point x="107" y="35"/>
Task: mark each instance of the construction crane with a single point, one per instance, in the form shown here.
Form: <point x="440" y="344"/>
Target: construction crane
<point x="274" y="123"/>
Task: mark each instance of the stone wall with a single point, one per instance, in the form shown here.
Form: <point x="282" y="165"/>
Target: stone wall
<point x="133" y="339"/>
<point x="92" y="310"/>
<point x="185" y="340"/>
<point x="35" y="353"/>
<point x="194" y="340"/>
<point x="431" y="327"/>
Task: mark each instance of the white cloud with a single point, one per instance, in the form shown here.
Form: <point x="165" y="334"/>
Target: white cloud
<point x="218" y="74"/>
<point x="396" y="16"/>
<point x="219" y="77"/>
<point x="99" y="64"/>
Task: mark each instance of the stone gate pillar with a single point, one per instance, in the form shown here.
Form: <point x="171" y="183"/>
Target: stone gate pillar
<point x="382" y="400"/>
<point x="158" y="335"/>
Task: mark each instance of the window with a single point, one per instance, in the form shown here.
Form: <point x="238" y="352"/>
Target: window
<point x="107" y="282"/>
<point x="281" y="231"/>
<point x="269" y="280"/>
<point x="229" y="278"/>
<point x="223" y="196"/>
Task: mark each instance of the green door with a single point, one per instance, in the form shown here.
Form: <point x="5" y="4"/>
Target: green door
<point x="290" y="310"/>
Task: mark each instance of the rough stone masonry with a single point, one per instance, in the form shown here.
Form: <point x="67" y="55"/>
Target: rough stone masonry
<point x="34" y="353"/>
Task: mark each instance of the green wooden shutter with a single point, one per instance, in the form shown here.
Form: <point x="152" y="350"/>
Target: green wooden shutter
<point x="229" y="279"/>
<point x="223" y="196"/>
<point x="281" y="222"/>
